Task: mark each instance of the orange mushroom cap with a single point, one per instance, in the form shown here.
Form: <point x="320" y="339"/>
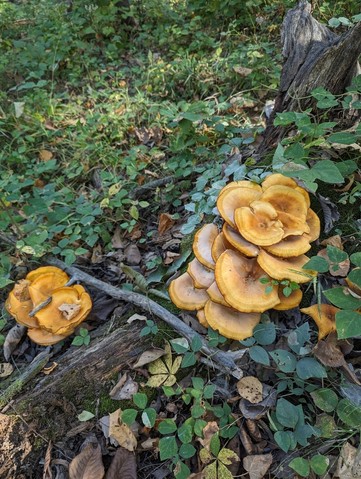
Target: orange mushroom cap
<point x="44" y="284"/>
<point x="202" y="276"/>
<point x="229" y="322"/>
<point x="69" y="306"/>
<point x="185" y="296"/>
<point x="286" y="268"/>
<point x="232" y="198"/>
<point x="238" y="279"/>
<point x="44" y="338"/>
<point x="20" y="310"/>
<point x="238" y="242"/>
<point x="288" y="302"/>
<point x="292" y="225"/>
<point x="258" y="223"/>
<point x="289" y="246"/>
<point x="324" y="315"/>
<point x="286" y="199"/>
<point x="32" y="275"/>
<point x="220" y="244"/>
<point x="202" y="244"/>
<point x="202" y="318"/>
<point x="243" y="184"/>
<point x="313" y="222"/>
<point x="278" y="179"/>
<point x="215" y="295"/>
<point x="305" y="194"/>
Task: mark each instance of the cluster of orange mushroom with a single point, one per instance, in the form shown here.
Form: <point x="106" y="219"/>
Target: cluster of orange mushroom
<point x="267" y="230"/>
<point x="49" y="308"/>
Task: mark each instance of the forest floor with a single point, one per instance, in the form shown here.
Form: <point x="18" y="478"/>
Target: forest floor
<point x="119" y="126"/>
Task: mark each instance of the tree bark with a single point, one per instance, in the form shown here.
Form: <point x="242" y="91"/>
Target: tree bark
<point x="314" y="57"/>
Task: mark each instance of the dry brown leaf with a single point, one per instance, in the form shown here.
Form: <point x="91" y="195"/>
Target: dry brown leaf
<point x="6" y="369"/>
<point x="97" y="254"/>
<point x="242" y="71"/>
<point x="246" y="441"/>
<point x="12" y="339"/>
<point x="121" y="432"/>
<point x="117" y="241"/>
<point x="257" y="466"/>
<point x="132" y="255"/>
<point x="123" y="465"/>
<point x="69" y="311"/>
<point x="124" y="389"/>
<point x="208" y="432"/>
<point x="347" y="187"/>
<point x="45" y="155"/>
<point x="333" y="241"/>
<point x="170" y="257"/>
<point x="150" y="444"/>
<point x="250" y="388"/>
<point x="148" y="357"/>
<point x="349" y="463"/>
<point x="88" y="464"/>
<point x="47" y="474"/>
<point x="165" y="223"/>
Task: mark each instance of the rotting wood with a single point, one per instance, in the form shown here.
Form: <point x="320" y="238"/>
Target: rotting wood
<point x="314" y="57"/>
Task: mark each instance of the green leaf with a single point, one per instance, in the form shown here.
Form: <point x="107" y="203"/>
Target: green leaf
<point x="168" y="448"/>
<point x="199" y="425"/>
<point x="259" y="354"/>
<point x="167" y="426"/>
<point x="85" y="416"/>
<point x="336" y="255"/>
<point x="265" y="334"/>
<point x="310" y="368"/>
<point x="134" y="213"/>
<point x="319" y="464"/>
<point x="348" y="324"/>
<point x="185" y="433"/>
<point x="140" y="400"/>
<point x="198" y="383"/>
<point x="349" y="413"/>
<point x="128" y="416"/>
<point x="342" y="298"/>
<point x="180" y="345"/>
<point x="344" y="138"/>
<point x="284" y="440"/>
<point x="286" y="413"/>
<point x="316" y="263"/>
<point x="327" y="171"/>
<point x="325" y="399"/>
<point x="286" y="361"/>
<point x="356" y="259"/>
<point x="149" y="415"/>
<point x="215" y="445"/>
<point x="197" y="411"/>
<point x="209" y="391"/>
<point x="189" y="359"/>
<point x="303" y="432"/>
<point x="355" y="276"/>
<point x="187" y="451"/>
<point x="301" y="466"/>
<point x="78" y="341"/>
<point x="196" y="344"/>
<point x="181" y="471"/>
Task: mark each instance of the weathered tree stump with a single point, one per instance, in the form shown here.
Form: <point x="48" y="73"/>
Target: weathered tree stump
<point x="314" y="57"/>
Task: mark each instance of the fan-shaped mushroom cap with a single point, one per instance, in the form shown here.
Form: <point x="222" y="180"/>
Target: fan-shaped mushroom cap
<point x="185" y="296"/>
<point x="20" y="310"/>
<point x="285" y="268"/>
<point x="258" y="223"/>
<point x="286" y="199"/>
<point x="69" y="306"/>
<point x="324" y="315"/>
<point x="305" y="194"/>
<point x="202" y="318"/>
<point x="288" y="302"/>
<point x="202" y="244"/>
<point x="289" y="246"/>
<point x="202" y="276"/>
<point x="230" y="323"/>
<point x="220" y="245"/>
<point x="243" y="184"/>
<point x="238" y="242"/>
<point x="232" y="198"/>
<point x="32" y="275"/>
<point x="44" y="338"/>
<point x="238" y="279"/>
<point x="292" y="225"/>
<point x="313" y="222"/>
<point x="44" y="284"/>
<point x="215" y="295"/>
<point x="278" y="179"/>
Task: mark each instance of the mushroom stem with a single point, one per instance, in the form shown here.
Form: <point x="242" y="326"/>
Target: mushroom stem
<point x="40" y="306"/>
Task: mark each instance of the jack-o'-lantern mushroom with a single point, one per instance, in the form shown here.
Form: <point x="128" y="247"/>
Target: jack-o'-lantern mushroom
<point x="285" y="268"/>
<point x="202" y="244"/>
<point x="19" y="304"/>
<point x="185" y="295"/>
<point x="324" y="315"/>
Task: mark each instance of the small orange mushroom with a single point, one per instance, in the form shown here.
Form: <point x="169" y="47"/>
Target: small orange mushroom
<point x="202" y="276"/>
<point x="290" y="246"/>
<point x="202" y="318"/>
<point x="215" y="295"/>
<point x="43" y="285"/>
<point x="313" y="222"/>
<point x="219" y="245"/>
<point x="285" y="268"/>
<point x="229" y="322"/>
<point x="202" y="244"/>
<point x="278" y="179"/>
<point x="258" y="223"/>
<point x="288" y="302"/>
<point x="232" y="198"/>
<point x="324" y="315"/>
<point x="19" y="305"/>
<point x="185" y="296"/>
<point x="239" y="243"/>
<point x="44" y="338"/>
<point x="238" y="279"/>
